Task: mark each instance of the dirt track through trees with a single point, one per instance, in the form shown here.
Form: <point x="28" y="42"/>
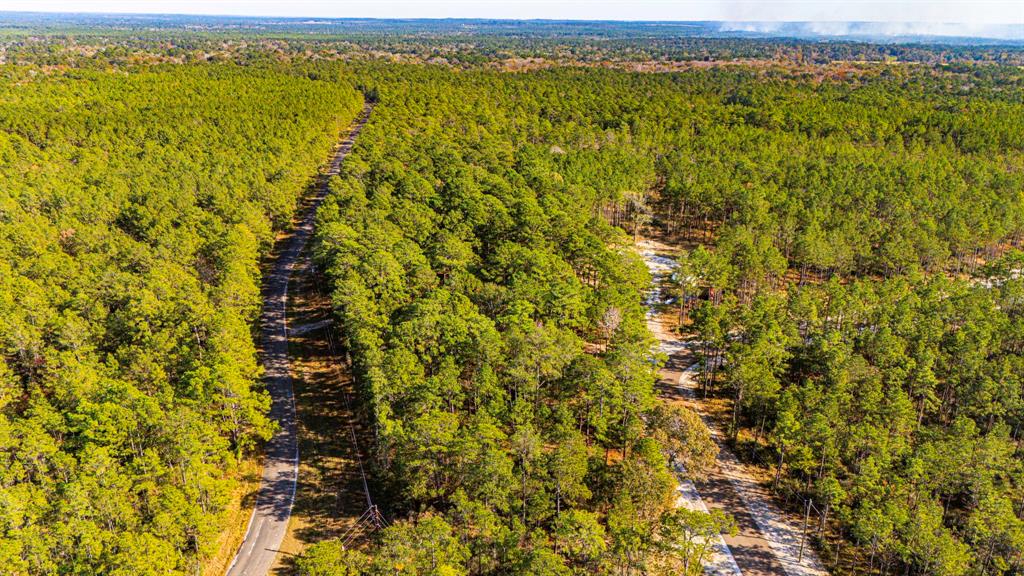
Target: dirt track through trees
<point x="768" y="542"/>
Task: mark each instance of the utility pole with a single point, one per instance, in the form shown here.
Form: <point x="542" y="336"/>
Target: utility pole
<point x="803" y="536"/>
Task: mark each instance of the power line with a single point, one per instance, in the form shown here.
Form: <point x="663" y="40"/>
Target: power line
<point x="371" y="519"/>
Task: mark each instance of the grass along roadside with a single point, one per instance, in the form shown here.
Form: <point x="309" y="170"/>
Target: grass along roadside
<point x="236" y="516"/>
<point x="329" y="498"/>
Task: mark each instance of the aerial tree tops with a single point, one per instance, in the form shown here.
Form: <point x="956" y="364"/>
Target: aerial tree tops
<point x="478" y="248"/>
<point x="491" y="309"/>
<point x="860" y="261"/>
<point x="495" y="323"/>
<point x="135" y="206"/>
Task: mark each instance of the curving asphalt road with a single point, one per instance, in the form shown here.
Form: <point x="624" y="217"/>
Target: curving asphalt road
<point x="269" y="520"/>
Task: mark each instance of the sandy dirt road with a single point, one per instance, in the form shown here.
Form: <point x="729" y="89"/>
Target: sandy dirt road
<point x="768" y="542"/>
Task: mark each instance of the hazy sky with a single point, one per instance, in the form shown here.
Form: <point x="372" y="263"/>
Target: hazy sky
<point x="974" y="12"/>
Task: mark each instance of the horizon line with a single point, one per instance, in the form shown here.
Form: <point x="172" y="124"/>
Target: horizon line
<point x="509" y="19"/>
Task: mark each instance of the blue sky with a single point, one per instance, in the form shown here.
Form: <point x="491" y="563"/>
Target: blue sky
<point x="969" y="12"/>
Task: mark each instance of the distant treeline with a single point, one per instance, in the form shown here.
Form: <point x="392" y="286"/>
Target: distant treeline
<point x="42" y="39"/>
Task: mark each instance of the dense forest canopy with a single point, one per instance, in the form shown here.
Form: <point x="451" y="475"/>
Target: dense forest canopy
<point x="134" y="209"/>
<point x="473" y="283"/>
<point x="855" y="305"/>
<point x="850" y="280"/>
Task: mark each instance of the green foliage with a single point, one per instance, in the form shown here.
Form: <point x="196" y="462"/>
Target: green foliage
<point x="856" y="293"/>
<point x="688" y="441"/>
<point x="330" y="558"/>
<point x="686" y="539"/>
<point x="134" y="209"/>
<point x="495" y="321"/>
<point x="492" y="311"/>
<point x="853" y="286"/>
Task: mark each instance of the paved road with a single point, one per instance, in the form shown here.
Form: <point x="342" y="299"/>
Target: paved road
<point x="768" y="542"/>
<point x="274" y="501"/>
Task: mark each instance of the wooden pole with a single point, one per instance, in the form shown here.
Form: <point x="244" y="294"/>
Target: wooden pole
<point x="803" y="536"/>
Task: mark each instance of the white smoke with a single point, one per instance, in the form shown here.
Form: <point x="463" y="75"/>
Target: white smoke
<point x="879" y="29"/>
<point x="755" y="27"/>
